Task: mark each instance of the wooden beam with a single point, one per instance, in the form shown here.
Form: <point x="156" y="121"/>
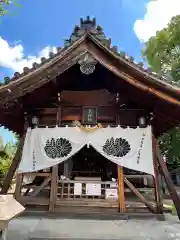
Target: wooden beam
<point x="40" y="188"/>
<point x="53" y="190"/>
<point x="169" y="182"/>
<point x="14" y="165"/>
<point x="121" y="198"/>
<point x="157" y="190"/>
<point x="140" y="196"/>
<point x="39" y="174"/>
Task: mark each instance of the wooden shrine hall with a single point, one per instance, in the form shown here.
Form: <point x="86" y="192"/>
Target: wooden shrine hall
<point x="88" y="118"/>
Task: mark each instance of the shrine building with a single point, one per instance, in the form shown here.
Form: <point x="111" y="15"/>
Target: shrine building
<point x="88" y="118"/>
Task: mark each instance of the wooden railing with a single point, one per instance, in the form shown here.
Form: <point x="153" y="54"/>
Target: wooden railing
<point x="65" y="194"/>
<point x="66" y="189"/>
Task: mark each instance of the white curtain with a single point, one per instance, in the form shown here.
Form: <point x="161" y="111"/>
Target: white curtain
<point x="130" y="148"/>
<point x="45" y="147"/>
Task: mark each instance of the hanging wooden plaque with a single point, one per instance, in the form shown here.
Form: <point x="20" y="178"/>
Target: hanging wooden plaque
<point x="89" y="115"/>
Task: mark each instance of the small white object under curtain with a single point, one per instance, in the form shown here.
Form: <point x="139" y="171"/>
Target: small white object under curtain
<point x="130" y="148"/>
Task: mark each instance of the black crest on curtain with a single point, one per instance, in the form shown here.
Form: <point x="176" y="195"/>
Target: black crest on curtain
<point x="117" y="147"/>
<point x="58" y="148"/>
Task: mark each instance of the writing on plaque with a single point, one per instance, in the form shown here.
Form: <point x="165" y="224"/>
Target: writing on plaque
<point x="89" y="115"/>
<point x="93" y="189"/>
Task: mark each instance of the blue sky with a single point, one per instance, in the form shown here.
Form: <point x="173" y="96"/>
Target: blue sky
<point x="39" y="25"/>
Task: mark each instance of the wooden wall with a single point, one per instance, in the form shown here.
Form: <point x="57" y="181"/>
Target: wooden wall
<point x="68" y="114"/>
<point x="70" y="108"/>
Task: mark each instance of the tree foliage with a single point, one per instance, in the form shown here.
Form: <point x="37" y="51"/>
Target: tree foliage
<point x="4" y="4"/>
<point x="162" y="53"/>
<point x="170" y="144"/>
<point x="7" y="152"/>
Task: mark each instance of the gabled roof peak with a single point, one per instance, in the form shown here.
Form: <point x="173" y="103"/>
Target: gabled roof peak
<point x="87" y="26"/>
<point x="86" y="23"/>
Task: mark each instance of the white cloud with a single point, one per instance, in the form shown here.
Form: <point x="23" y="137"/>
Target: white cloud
<point x="13" y="57"/>
<point x="158" y="15"/>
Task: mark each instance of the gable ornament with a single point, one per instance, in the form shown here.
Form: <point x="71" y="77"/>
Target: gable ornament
<point x="87" y="64"/>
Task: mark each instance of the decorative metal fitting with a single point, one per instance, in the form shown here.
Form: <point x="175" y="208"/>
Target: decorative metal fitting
<point x="87" y="64"/>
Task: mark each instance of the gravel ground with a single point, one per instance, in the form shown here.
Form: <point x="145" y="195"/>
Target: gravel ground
<point x="34" y="228"/>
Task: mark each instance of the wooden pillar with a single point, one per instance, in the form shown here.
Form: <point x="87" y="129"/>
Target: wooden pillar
<point x="15" y="164"/>
<point x="121" y="198"/>
<point x="58" y="115"/>
<point x="53" y="188"/>
<point x="169" y="182"/>
<point x="19" y="180"/>
<point x="157" y="191"/>
<point x="66" y="168"/>
<point x="68" y="164"/>
<point x="59" y="110"/>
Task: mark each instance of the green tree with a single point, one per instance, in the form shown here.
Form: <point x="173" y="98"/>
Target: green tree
<point x="4" y="4"/>
<point x="169" y="143"/>
<point x="7" y="152"/>
<point x="162" y="52"/>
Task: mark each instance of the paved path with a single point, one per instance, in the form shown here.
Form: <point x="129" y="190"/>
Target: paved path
<point x="32" y="228"/>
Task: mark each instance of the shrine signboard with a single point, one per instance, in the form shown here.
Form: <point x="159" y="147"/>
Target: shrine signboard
<point x="89" y="115"/>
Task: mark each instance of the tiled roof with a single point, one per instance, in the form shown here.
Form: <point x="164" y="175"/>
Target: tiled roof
<point x="89" y="26"/>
